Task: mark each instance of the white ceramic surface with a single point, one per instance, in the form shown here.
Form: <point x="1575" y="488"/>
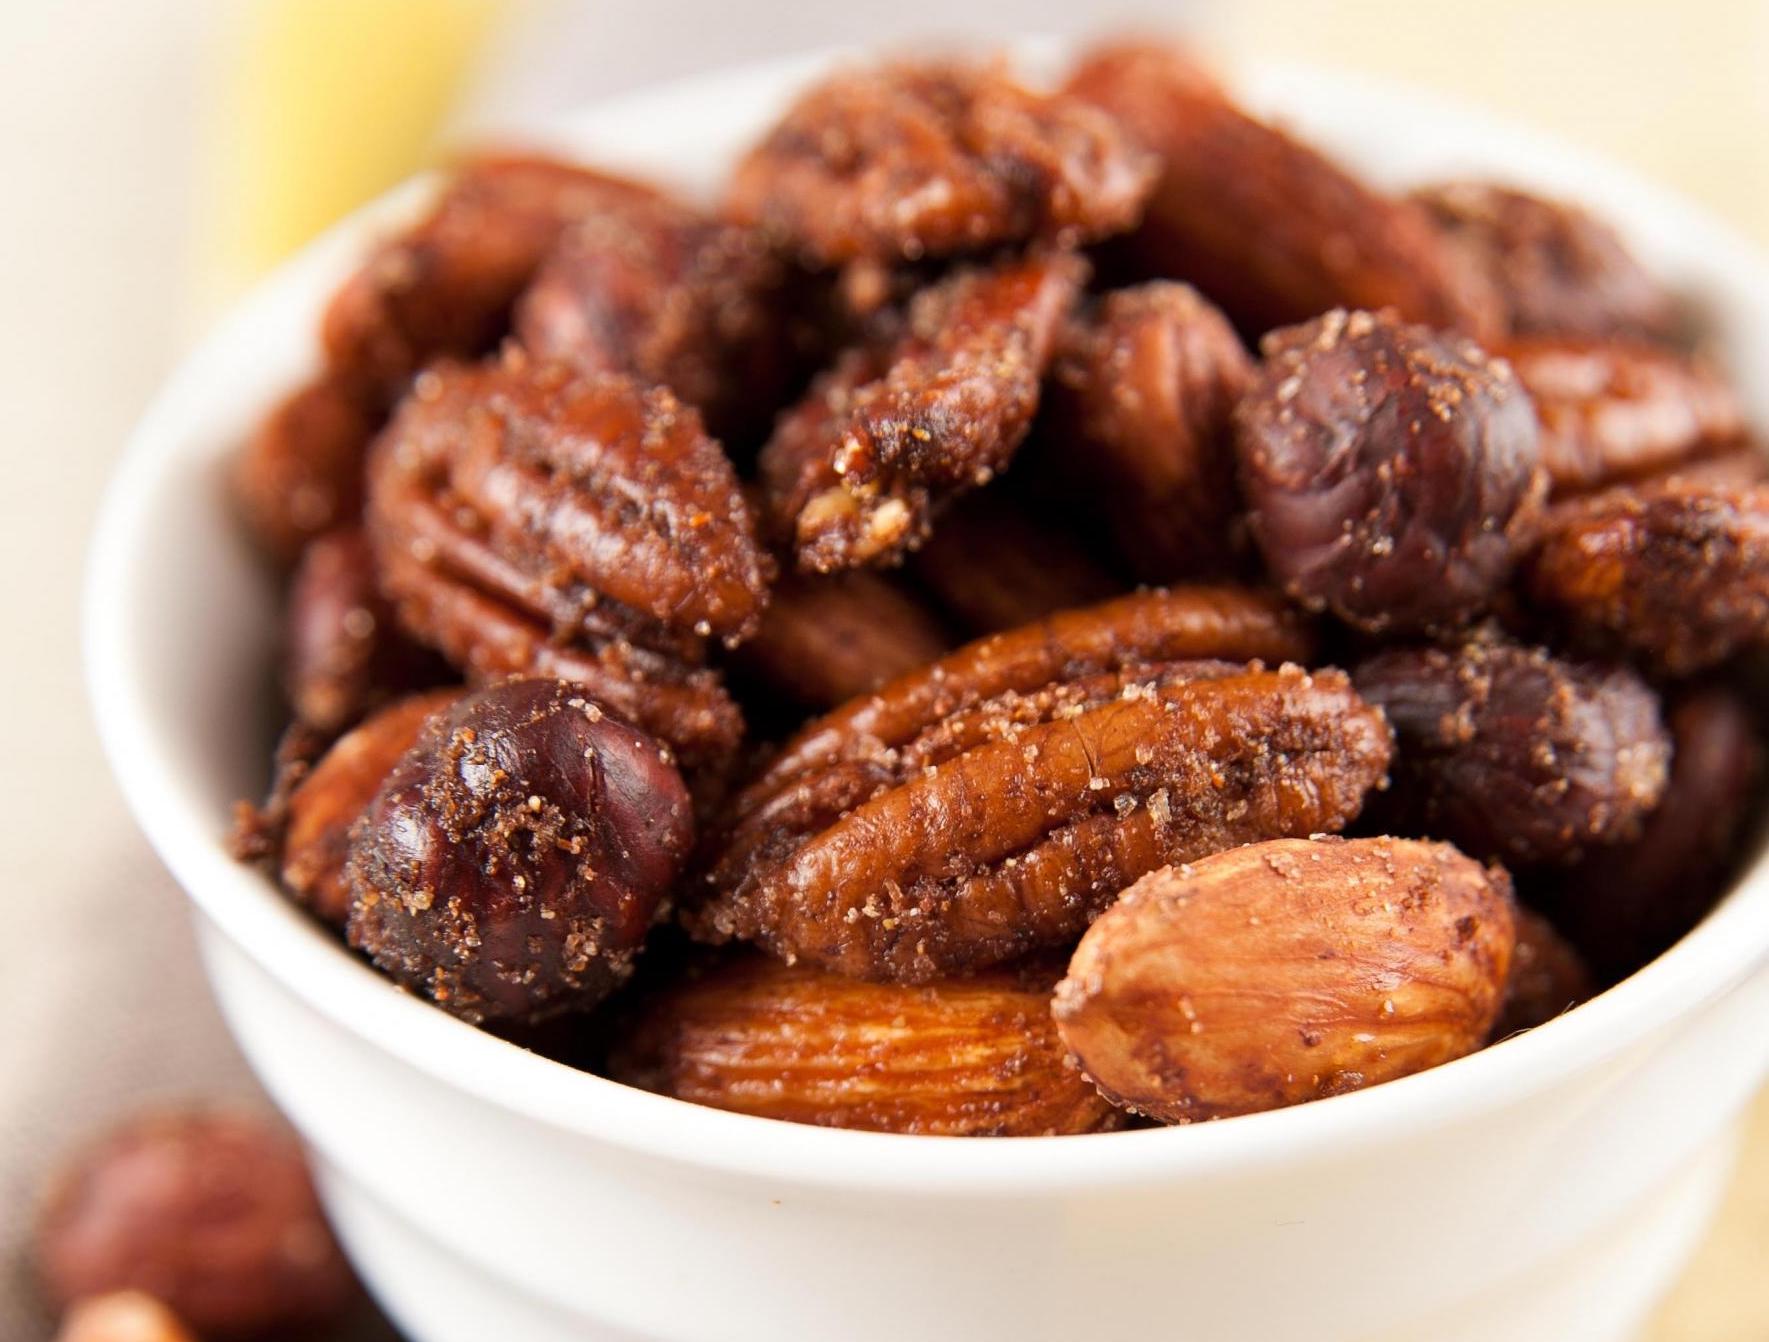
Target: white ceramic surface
<point x="1546" y="1188"/>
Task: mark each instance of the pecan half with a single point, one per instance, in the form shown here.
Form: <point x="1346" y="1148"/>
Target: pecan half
<point x="664" y="293"/>
<point x="976" y="1057"/>
<point x="852" y="471"/>
<point x="1610" y="410"/>
<point x="1558" y="270"/>
<point x="1140" y="409"/>
<point x="1677" y="572"/>
<point x="530" y="520"/>
<point x="445" y="286"/>
<point x="1514" y="754"/>
<point x="828" y="637"/>
<point x="991" y="564"/>
<point x="1160" y="625"/>
<point x="1391" y="470"/>
<point x="1266" y="226"/>
<point x="911" y="160"/>
<point x="1006" y="826"/>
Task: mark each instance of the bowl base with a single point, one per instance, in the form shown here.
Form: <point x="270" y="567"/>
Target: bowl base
<point x="1601" y="1292"/>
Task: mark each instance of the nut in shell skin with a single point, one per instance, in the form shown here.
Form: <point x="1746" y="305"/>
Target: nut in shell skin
<point x="514" y="860"/>
<point x="1287" y="971"/>
<point x="969" y="1057"/>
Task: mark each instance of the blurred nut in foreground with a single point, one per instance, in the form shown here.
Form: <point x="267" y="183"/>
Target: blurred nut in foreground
<point x="1287" y="971"/>
<point x="123" y="1316"/>
<point x="211" y="1212"/>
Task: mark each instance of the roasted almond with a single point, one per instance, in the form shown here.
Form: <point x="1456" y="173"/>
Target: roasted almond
<point x="972" y="1057"/>
<point x="1287" y="971"/>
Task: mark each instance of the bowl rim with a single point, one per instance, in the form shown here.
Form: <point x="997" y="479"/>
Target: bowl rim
<point x="1729" y="946"/>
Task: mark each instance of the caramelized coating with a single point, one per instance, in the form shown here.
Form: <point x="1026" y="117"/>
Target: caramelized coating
<point x="828" y="637"/>
<point x="852" y="471"/>
<point x="300" y="473"/>
<point x="1728" y="468"/>
<point x="1611" y="410"/>
<point x="1623" y="905"/>
<point x="1266" y="226"/>
<point x="1391" y="471"/>
<point x="328" y="797"/>
<point x="343" y="653"/>
<point x="1287" y="971"/>
<point x="530" y="520"/>
<point x="1140" y="410"/>
<point x="1558" y="270"/>
<point x="1143" y="628"/>
<point x="445" y="286"/>
<point x="663" y="293"/>
<point x="1676" y="572"/>
<point x="1548" y="977"/>
<point x="513" y="861"/>
<point x="974" y="1057"/>
<point x="210" y="1212"/>
<point x="1006" y="827"/>
<point x="902" y="161"/>
<point x="991" y="565"/>
<point x="1514" y="754"/>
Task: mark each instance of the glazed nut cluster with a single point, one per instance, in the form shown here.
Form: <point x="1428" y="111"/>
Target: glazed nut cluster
<point x="1037" y="610"/>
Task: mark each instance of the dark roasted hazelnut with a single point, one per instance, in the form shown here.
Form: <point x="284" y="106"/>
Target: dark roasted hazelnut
<point x="211" y="1213"/>
<point x="1516" y="755"/>
<point x="513" y="861"/>
<point x="1391" y="471"/>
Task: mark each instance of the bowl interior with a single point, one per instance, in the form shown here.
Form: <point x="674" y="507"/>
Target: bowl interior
<point x="181" y="624"/>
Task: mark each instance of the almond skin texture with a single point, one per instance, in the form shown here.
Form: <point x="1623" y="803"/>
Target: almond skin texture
<point x="1287" y="971"/>
<point x="963" y="1058"/>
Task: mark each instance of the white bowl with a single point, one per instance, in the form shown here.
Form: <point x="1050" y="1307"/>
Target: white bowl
<point x="1545" y="1188"/>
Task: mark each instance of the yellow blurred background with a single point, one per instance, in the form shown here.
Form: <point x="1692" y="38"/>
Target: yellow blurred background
<point x="157" y="157"/>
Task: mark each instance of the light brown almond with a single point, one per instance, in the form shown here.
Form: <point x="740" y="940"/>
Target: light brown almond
<point x="1287" y="971"/>
<point x="972" y="1057"/>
